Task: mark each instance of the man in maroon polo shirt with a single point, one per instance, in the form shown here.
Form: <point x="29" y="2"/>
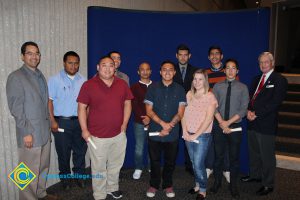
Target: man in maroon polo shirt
<point x="104" y="108"/>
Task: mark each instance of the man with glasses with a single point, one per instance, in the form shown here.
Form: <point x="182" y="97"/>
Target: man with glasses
<point x="27" y="97"/>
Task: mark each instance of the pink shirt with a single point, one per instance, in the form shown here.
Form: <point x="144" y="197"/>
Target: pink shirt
<point x="196" y="111"/>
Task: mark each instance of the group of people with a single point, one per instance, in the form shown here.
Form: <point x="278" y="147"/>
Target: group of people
<point x="204" y="107"/>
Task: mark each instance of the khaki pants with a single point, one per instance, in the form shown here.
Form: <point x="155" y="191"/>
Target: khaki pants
<point x="37" y="160"/>
<point x="107" y="161"/>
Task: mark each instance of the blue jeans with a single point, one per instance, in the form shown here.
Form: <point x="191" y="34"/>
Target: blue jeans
<point x="140" y="137"/>
<point x="198" y="152"/>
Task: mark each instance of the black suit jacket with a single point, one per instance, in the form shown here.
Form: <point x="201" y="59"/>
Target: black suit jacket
<point x="186" y="83"/>
<point x="267" y="102"/>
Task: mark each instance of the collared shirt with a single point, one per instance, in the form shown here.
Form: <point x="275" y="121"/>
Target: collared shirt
<point x="165" y="101"/>
<point x="38" y="77"/>
<point x="239" y="98"/>
<point x="64" y="91"/>
<point x="123" y="76"/>
<point x="106" y="105"/>
<point x="266" y="78"/>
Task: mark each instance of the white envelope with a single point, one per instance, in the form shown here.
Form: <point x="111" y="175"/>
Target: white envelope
<point x="269" y="86"/>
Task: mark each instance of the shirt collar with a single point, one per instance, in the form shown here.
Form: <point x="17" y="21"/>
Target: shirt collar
<point x="147" y="84"/>
<point x="268" y="74"/>
<point x="35" y="72"/>
<point x="218" y="69"/>
<point x="65" y="75"/>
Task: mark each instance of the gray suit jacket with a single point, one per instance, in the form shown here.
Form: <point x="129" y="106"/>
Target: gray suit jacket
<point x="28" y="106"/>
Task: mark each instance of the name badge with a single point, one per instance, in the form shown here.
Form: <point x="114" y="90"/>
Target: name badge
<point x="269" y="86"/>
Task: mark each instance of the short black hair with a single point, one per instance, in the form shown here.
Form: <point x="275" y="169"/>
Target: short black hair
<point x="183" y="47"/>
<point x="232" y="60"/>
<point x="71" y="53"/>
<point x="29" y="43"/>
<point x="214" y="47"/>
<point x="103" y="57"/>
<point x="109" y="54"/>
<point x="165" y="62"/>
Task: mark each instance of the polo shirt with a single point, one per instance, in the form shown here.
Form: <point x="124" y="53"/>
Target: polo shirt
<point x="63" y="91"/>
<point x="165" y="101"/>
<point x="106" y="105"/>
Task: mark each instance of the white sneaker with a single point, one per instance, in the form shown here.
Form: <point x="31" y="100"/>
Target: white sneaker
<point x="137" y="174"/>
<point x="208" y="172"/>
<point x="226" y="174"/>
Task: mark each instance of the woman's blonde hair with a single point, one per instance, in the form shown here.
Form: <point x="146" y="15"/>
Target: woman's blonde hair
<point x="206" y="84"/>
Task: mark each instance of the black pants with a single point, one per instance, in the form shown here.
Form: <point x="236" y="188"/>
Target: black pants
<point x="262" y="157"/>
<point x="169" y="150"/>
<point x="231" y="142"/>
<point x="69" y="140"/>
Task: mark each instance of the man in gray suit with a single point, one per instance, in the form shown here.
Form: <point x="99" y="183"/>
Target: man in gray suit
<point x="27" y="97"/>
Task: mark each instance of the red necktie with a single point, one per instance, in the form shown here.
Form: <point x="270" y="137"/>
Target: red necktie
<point x="261" y="85"/>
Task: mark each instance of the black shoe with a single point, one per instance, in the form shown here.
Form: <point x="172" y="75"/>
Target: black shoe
<point x="193" y="191"/>
<point x="264" y="191"/>
<point x="66" y="184"/>
<point x="200" y="197"/>
<point x="80" y="183"/>
<point x="214" y="189"/>
<point x="189" y="170"/>
<point x="248" y="179"/>
<point x="235" y="193"/>
<point x="116" y="194"/>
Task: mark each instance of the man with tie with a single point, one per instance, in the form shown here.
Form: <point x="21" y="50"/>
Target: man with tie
<point x="233" y="98"/>
<point x="184" y="77"/>
<point x="267" y="93"/>
<point x="27" y="98"/>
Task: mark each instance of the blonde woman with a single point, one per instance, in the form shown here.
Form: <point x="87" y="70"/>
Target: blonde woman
<point x="197" y="125"/>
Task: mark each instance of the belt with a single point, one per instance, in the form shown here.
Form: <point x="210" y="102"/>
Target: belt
<point x="66" y="118"/>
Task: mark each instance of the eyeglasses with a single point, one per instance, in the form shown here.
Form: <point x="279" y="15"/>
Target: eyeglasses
<point x="33" y="54"/>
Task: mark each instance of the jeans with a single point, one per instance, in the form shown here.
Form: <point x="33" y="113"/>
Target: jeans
<point x="231" y="142"/>
<point x="140" y="137"/>
<point x="198" y="152"/>
<point x="169" y="150"/>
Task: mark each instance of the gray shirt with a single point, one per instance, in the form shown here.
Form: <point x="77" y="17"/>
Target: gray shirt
<point x="123" y="76"/>
<point x="239" y="98"/>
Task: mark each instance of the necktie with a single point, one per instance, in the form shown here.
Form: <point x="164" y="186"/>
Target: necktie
<point x="261" y="85"/>
<point x="227" y="102"/>
<point x="182" y="72"/>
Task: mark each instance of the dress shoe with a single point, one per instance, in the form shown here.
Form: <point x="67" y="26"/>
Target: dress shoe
<point x="214" y="189"/>
<point x="264" y="191"/>
<point x="235" y="193"/>
<point x="193" y="191"/>
<point x="50" y="197"/>
<point x="248" y="179"/>
<point x="200" y="197"/>
<point x="66" y="184"/>
<point x="80" y="183"/>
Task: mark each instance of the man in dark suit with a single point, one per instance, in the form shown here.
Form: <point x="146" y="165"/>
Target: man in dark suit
<point x="184" y="76"/>
<point x="266" y="93"/>
<point x="27" y="98"/>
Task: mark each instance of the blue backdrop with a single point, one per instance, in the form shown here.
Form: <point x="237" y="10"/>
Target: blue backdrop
<point x="153" y="37"/>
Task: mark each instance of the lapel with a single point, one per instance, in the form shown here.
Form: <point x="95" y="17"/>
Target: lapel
<point x="33" y="83"/>
<point x="267" y="82"/>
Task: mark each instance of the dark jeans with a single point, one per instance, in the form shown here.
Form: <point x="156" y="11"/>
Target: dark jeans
<point x="69" y="140"/>
<point x="169" y="150"/>
<point x="231" y="142"/>
<point x="140" y="138"/>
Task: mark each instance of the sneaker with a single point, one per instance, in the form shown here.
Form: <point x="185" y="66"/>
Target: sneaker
<point x="151" y="192"/>
<point x="226" y="174"/>
<point x="208" y="172"/>
<point x="116" y="194"/>
<point x="137" y="174"/>
<point x="170" y="192"/>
